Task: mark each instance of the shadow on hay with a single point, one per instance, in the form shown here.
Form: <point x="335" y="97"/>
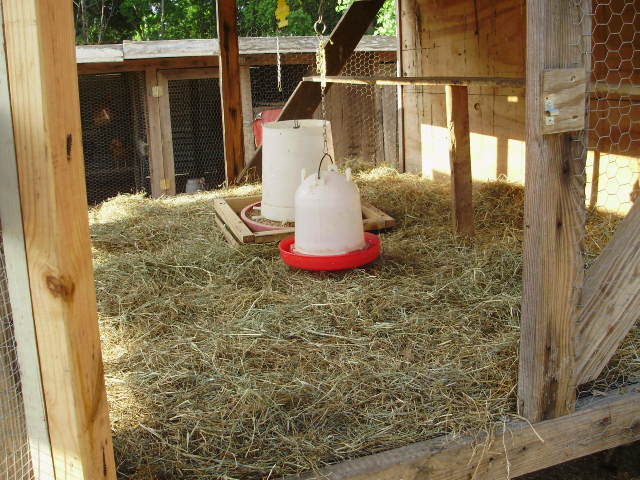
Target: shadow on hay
<point x="224" y="363"/>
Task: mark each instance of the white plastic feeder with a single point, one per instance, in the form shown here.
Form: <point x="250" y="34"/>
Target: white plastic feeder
<point x="288" y="147"/>
<point x="328" y="214"/>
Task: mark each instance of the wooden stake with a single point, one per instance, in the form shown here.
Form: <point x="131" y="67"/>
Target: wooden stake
<point x="553" y="224"/>
<point x="457" y="99"/>
<point x="43" y="83"/>
<point x="154" y="134"/>
<point x="230" y="88"/>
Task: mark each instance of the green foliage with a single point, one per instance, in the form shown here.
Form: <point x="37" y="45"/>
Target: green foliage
<point x="111" y="21"/>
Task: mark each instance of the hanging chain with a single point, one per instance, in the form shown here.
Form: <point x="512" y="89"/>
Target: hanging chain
<point x="321" y="64"/>
<point x="279" y="64"/>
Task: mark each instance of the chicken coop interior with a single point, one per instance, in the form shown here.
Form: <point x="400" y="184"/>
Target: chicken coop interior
<point x="166" y="316"/>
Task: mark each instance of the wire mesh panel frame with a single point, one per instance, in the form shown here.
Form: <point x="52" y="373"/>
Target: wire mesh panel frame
<point x="165" y="84"/>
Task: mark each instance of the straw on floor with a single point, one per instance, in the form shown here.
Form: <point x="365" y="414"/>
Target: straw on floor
<point x="223" y="363"/>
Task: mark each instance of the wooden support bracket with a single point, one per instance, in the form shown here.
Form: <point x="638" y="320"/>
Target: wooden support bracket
<point x="563" y="96"/>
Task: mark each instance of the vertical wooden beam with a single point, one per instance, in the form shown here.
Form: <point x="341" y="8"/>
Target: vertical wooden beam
<point x="45" y="105"/>
<point x="154" y="133"/>
<point x="247" y="112"/>
<point x="400" y="89"/>
<point x="230" y="91"/>
<point x="553" y="224"/>
<point x="595" y="180"/>
<point x="168" y="182"/>
<point x="457" y="101"/>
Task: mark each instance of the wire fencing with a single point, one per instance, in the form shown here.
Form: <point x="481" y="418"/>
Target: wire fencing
<point x="15" y="455"/>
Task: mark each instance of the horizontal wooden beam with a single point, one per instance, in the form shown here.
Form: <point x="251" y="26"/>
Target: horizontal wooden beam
<point x="497" y="82"/>
<point x="514" y="449"/>
<point x="610" y="299"/>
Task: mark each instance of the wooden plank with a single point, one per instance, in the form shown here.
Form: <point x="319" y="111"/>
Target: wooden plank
<point x="595" y="180"/>
<point x="227" y="14"/>
<point x="247" y="113"/>
<point x="493" y="82"/>
<point x="554" y="220"/>
<point x="231" y="240"/>
<point x="563" y="94"/>
<point x="190" y="73"/>
<point x="154" y="134"/>
<point x="341" y="43"/>
<point x="457" y="104"/>
<point x="143" y="64"/>
<point x="99" y="53"/>
<point x="238" y="203"/>
<point x="168" y="181"/>
<point x="390" y="128"/>
<point x="514" y="449"/>
<point x="40" y="42"/>
<point x="369" y="212"/>
<point x="610" y="299"/>
<point x="233" y="221"/>
<point x="17" y="283"/>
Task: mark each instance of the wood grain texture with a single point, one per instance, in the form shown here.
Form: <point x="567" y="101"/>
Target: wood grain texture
<point x="154" y="134"/>
<point x="497" y="82"/>
<point x="48" y="140"/>
<point x="17" y="283"/>
<point x="168" y="182"/>
<point x="457" y="100"/>
<point x="247" y="113"/>
<point x="553" y="226"/>
<point x="230" y="88"/>
<point x="566" y="89"/>
<point x="466" y="39"/>
<point x="610" y="299"/>
<point x="514" y="449"/>
<point x="341" y="44"/>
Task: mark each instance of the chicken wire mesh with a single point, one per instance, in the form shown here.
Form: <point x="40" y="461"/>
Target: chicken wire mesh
<point x="15" y="457"/>
<point x="114" y="134"/>
<point x="612" y="137"/>
<point x="611" y="140"/>
<point x="196" y="129"/>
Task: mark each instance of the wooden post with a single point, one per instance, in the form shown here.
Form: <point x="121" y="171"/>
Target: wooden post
<point x="247" y="113"/>
<point x="45" y="106"/>
<point x="154" y="134"/>
<point x="230" y="91"/>
<point x="457" y="99"/>
<point x="553" y="223"/>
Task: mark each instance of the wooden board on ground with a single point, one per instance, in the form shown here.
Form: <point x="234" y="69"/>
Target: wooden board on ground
<point x="228" y="219"/>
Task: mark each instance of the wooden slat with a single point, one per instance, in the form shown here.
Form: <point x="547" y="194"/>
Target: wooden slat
<point x="45" y="105"/>
<point x="231" y="240"/>
<point x="168" y="182"/>
<point x="154" y="134"/>
<point x="341" y="44"/>
<point x="233" y="221"/>
<point x="610" y="299"/>
<point x="457" y="106"/>
<point x="238" y="203"/>
<point x="190" y="73"/>
<point x="370" y="212"/>
<point x="566" y="88"/>
<point x="494" y="82"/>
<point x="143" y="64"/>
<point x="247" y="113"/>
<point x="515" y="449"/>
<point x="554" y="219"/>
<point x="230" y="88"/>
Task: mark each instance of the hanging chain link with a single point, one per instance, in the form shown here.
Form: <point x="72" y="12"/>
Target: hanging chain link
<point x="279" y="64"/>
<point x="321" y="64"/>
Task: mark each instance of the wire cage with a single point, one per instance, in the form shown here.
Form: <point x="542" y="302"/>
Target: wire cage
<point x="114" y="134"/>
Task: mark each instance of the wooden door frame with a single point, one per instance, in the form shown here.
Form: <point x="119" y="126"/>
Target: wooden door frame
<point x="163" y="76"/>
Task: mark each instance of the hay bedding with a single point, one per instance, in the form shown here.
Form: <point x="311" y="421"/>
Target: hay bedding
<point x="224" y="364"/>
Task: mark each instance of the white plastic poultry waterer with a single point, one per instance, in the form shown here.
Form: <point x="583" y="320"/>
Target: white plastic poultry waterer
<point x="329" y="231"/>
<point x="288" y="148"/>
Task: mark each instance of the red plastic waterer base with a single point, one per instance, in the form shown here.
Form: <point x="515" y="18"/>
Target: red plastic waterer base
<point x="333" y="262"/>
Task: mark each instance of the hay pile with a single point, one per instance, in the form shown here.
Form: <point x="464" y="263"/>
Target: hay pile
<point x="225" y="364"/>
